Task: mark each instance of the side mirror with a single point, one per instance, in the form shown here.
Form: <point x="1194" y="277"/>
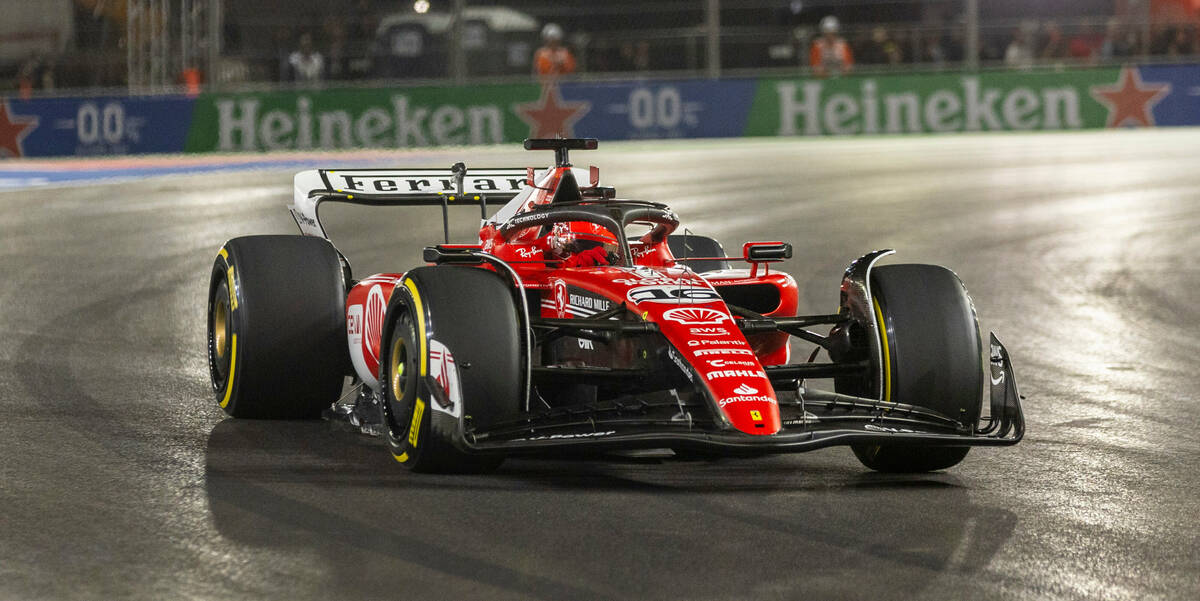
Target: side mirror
<point x="765" y="252"/>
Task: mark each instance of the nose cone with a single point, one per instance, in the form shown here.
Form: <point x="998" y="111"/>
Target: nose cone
<point x="706" y="337"/>
<point x="751" y="410"/>
<point x="708" y="345"/>
<point x="731" y="372"/>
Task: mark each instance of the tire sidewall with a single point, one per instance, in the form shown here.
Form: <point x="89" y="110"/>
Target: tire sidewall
<point x="222" y="289"/>
<point x="454" y="305"/>
<point x="406" y="439"/>
<point x="287" y="331"/>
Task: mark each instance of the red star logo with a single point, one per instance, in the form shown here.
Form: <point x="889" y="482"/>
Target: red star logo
<point x="549" y="116"/>
<point x="13" y="131"/>
<point x="1130" y="101"/>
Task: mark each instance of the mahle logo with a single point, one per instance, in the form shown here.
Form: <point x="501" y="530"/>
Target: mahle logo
<point x="243" y="124"/>
<point x="806" y="109"/>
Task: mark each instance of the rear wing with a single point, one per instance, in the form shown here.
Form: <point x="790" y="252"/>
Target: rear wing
<point x="401" y="188"/>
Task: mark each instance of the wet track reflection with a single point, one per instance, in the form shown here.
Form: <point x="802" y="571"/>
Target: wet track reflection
<point x="666" y="508"/>
<point x="122" y="479"/>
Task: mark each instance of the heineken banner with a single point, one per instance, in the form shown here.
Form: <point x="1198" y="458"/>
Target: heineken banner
<point x="412" y="117"/>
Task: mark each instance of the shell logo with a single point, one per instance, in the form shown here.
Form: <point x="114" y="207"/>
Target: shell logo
<point x="695" y="315"/>
<point x="374" y="318"/>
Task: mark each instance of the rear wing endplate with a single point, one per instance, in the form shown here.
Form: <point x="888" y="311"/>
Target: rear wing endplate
<point x="401" y="188"/>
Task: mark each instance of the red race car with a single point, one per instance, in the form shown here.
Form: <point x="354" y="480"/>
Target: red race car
<point x="580" y="321"/>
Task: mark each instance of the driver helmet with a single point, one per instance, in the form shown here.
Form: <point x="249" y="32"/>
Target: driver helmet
<point x="576" y="236"/>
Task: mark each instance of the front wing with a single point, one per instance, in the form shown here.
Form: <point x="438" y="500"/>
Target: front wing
<point x="812" y="419"/>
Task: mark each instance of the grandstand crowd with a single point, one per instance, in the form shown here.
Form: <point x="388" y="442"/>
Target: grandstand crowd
<point x="350" y="42"/>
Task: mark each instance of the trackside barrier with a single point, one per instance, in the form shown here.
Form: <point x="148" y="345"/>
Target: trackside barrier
<point x="410" y="117"/>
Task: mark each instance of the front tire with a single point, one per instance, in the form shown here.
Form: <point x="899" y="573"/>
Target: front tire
<point x="438" y="313"/>
<point x="933" y="357"/>
<point x="277" y="327"/>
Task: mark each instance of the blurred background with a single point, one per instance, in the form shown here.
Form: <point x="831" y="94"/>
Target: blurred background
<point x="76" y="47"/>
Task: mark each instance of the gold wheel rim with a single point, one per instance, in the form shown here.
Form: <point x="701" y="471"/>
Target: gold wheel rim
<point x="398" y="359"/>
<point x="220" y="328"/>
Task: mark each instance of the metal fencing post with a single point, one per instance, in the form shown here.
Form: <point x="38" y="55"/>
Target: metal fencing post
<point x="712" y="14"/>
<point x="216" y="29"/>
<point x="458" y="62"/>
<point x="971" y="55"/>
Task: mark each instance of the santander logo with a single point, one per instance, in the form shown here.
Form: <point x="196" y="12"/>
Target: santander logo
<point x="744" y="389"/>
<point x="374" y="326"/>
<point x="695" y="315"/>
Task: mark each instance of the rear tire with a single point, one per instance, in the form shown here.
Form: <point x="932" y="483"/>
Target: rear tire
<point x="933" y="358"/>
<point x="473" y="314"/>
<point x="688" y="245"/>
<point x="277" y="327"/>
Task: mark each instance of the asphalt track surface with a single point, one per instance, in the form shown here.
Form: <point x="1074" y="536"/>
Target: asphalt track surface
<point x="122" y="479"/>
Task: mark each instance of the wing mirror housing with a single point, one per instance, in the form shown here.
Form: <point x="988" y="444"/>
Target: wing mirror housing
<point x="764" y="253"/>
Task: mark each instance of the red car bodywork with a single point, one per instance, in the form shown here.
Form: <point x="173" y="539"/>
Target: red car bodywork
<point x="687" y="307"/>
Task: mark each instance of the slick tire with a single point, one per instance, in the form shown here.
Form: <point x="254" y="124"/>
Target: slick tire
<point x="687" y="245"/>
<point x="933" y="357"/>
<point x="277" y="327"/>
<point x="471" y="313"/>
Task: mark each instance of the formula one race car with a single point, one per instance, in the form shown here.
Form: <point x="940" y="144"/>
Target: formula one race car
<point x="584" y="323"/>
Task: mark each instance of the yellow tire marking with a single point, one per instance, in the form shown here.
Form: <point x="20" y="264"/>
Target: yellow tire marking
<point x="402" y="457"/>
<point x="232" y="366"/>
<point x="414" y="430"/>
<point x="224" y="253"/>
<point x="419" y="310"/>
<point x="232" y="294"/>
<point x="887" y="358"/>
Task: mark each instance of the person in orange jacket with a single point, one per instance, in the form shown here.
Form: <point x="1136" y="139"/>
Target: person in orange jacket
<point x="830" y="54"/>
<point x="553" y="59"/>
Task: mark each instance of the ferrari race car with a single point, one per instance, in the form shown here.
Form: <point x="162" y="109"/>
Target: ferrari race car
<point x="584" y="323"/>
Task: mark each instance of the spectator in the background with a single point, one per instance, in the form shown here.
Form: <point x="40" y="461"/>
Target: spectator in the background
<point x="1085" y="44"/>
<point x="306" y="65"/>
<point x="1120" y="41"/>
<point x="553" y="59"/>
<point x="881" y="49"/>
<point x="36" y="73"/>
<point x="830" y="54"/>
<point x="1181" y="41"/>
<point x="27" y="78"/>
<point x="1019" y="54"/>
<point x="1053" y="44"/>
<point x="192" y="79"/>
<point x="933" y="48"/>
